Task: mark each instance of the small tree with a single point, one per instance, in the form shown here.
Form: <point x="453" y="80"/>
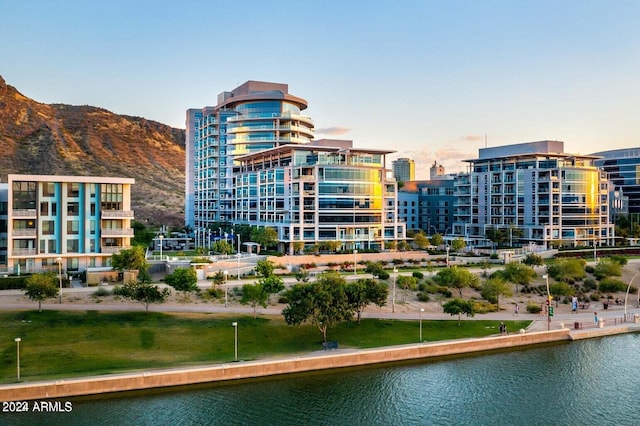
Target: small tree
<point x="302" y="275"/>
<point x="494" y="288"/>
<point x="264" y="236"/>
<point x="459" y="307"/>
<point x="130" y="259"/>
<point x="406" y="283"/>
<point x="41" y="286"/>
<point x="518" y="273"/>
<point x="458" y="244"/>
<point x="254" y="295"/>
<point x="297" y="247"/>
<point x="184" y="280"/>
<point x="436" y="240"/>
<point x="265" y="268"/>
<point x="420" y="240"/>
<point x="456" y="277"/>
<point x="374" y="268"/>
<point x="323" y="303"/>
<point x="272" y="284"/>
<point x="533" y="259"/>
<point x="142" y="292"/>
<point x="560" y="289"/>
<point x="365" y="291"/>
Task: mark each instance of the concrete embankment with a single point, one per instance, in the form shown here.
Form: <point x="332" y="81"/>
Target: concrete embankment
<point x="253" y="369"/>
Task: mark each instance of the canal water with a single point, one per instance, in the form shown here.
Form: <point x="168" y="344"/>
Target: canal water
<point x="589" y="382"/>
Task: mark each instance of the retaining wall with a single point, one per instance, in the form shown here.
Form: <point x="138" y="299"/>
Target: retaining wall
<point x="244" y="370"/>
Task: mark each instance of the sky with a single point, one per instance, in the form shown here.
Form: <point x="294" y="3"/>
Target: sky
<point x="431" y="80"/>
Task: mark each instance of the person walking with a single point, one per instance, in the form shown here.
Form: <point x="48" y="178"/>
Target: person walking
<point x="595" y="318"/>
<point x="517" y="309"/>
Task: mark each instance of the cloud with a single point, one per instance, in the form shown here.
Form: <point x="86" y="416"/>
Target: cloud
<point x="333" y="131"/>
<point x="472" y="138"/>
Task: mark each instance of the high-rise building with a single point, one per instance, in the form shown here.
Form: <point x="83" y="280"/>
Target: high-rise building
<point x="533" y="193"/>
<point x="623" y="170"/>
<point x="404" y="169"/>
<point x="320" y="192"/>
<point x="253" y="117"/>
<point x="77" y="220"/>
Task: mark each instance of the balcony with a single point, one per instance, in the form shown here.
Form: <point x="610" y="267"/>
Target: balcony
<point x="113" y="249"/>
<point x="29" y="233"/>
<point x="120" y="232"/>
<point x="23" y="252"/>
<point x="24" y="213"/>
<point x="117" y="214"/>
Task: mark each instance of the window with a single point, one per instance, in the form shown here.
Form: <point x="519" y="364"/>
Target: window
<point x="48" y="227"/>
<point x="72" y="227"/>
<point x="73" y="189"/>
<point x="24" y="195"/>
<point x="44" y="208"/>
<point x="48" y="189"/>
<point x="73" y="208"/>
<point x="73" y="246"/>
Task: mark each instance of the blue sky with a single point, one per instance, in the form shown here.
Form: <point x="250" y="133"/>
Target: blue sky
<point x="429" y="79"/>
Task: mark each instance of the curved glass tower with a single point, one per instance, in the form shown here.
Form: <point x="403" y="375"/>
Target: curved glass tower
<point x="253" y="117"/>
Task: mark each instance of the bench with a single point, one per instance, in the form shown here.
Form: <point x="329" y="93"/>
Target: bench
<point x="332" y="344"/>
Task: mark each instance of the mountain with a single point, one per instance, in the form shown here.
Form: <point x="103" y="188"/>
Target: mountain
<point x="57" y="139"/>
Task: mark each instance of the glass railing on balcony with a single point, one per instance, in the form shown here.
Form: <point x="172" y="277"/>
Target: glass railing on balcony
<point x="23" y="251"/>
<point x="24" y="213"/>
<point x="31" y="232"/>
<point x="120" y="232"/>
<point x="124" y="214"/>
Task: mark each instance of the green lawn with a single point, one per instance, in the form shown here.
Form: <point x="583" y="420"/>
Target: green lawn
<point x="65" y="344"/>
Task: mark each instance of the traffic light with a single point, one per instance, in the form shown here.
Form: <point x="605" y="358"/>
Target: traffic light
<point x="550" y="311"/>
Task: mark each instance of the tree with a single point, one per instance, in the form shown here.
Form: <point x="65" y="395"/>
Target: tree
<point x="265" y="268"/>
<point x="403" y="246"/>
<point x="222" y="247"/>
<point x="567" y="270"/>
<point x="533" y="259"/>
<point x="406" y="283"/>
<point x="323" y="303"/>
<point x="41" y="286"/>
<point x="518" y="273"/>
<point x="297" y="247"/>
<point x="264" y="236"/>
<point x="130" y="259"/>
<point x="254" y="295"/>
<point x="333" y="246"/>
<point x="456" y="277"/>
<point x="458" y="244"/>
<point x="495" y="287"/>
<point x="141" y="235"/>
<point x="365" y="291"/>
<point x="560" y="289"/>
<point x="606" y="268"/>
<point x="374" y="268"/>
<point x="420" y="240"/>
<point x="436" y="239"/>
<point x="459" y="307"/>
<point x="183" y="279"/>
<point x="272" y="284"/>
<point x="142" y="292"/>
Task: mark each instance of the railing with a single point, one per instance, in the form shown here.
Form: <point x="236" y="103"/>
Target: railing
<point x="25" y="213"/>
<point x="127" y="232"/>
<point x="117" y="213"/>
<point x="31" y="232"/>
<point x="112" y="249"/>
<point x="23" y="252"/>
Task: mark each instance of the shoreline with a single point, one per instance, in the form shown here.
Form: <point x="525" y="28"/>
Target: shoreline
<point x="184" y="376"/>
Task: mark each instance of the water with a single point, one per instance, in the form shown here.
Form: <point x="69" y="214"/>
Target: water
<point x="589" y="382"/>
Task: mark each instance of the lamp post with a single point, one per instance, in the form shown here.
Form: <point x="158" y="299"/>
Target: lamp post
<point x="355" y="262"/>
<point x="59" y="262"/>
<point x="235" y="326"/>
<point x="161" y="237"/>
<point x="627" y="294"/>
<point x="393" y="296"/>
<point x="225" y="287"/>
<point x="447" y="255"/>
<point x="548" y="303"/>
<point x="421" y="311"/>
<point x="17" y="340"/>
<point x="238" y="254"/>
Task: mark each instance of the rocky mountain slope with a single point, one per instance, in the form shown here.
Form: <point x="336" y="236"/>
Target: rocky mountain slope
<point x="59" y="139"/>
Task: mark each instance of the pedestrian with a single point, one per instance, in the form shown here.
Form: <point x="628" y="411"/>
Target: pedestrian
<point x="517" y="309"/>
<point x="503" y="328"/>
<point x="595" y="318"/>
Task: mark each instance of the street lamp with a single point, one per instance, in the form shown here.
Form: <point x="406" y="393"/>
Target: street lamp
<point x="161" y="238"/>
<point x="421" y="311"/>
<point x="225" y="272"/>
<point x="393" y="300"/>
<point x="238" y="254"/>
<point x="235" y="326"/>
<point x="627" y="295"/>
<point x="447" y="255"/>
<point x="59" y="262"/>
<point x="17" y="340"/>
<point x="355" y="262"/>
<point x="548" y="303"/>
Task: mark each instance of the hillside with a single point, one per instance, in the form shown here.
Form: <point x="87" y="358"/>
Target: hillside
<point x="59" y="139"/>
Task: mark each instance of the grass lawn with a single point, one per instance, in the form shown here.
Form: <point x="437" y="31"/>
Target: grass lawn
<point x="59" y="344"/>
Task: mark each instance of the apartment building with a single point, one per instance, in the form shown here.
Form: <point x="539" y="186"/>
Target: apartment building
<point x="623" y="170"/>
<point x="404" y="169"/>
<point x="77" y="220"/>
<point x="253" y="117"/>
<point x="322" y="191"/>
<point x="535" y="192"/>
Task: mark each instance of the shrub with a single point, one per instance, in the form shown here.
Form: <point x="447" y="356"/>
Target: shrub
<point x="590" y="269"/>
<point x="594" y="297"/>
<point x="612" y="285"/>
<point x="533" y="308"/>
<point x="102" y="291"/>
<point x="423" y="297"/>
<point x="590" y="284"/>
<point x="398" y="261"/>
<point x="619" y="259"/>
<point x="384" y="275"/>
<point x="482" y="307"/>
<point x="417" y="274"/>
